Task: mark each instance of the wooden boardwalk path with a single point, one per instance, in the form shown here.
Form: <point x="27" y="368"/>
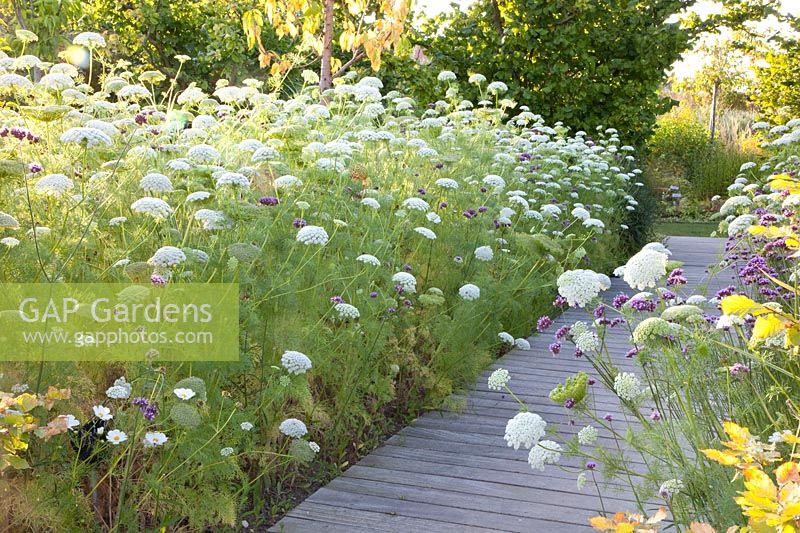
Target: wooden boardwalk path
<point x="452" y="471"/>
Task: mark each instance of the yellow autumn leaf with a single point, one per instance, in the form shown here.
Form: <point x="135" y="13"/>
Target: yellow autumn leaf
<point x="766" y="326"/>
<point x="787" y="472"/>
<point x="723" y="458"/>
<point x="27" y="401"/>
<point x="737" y="433"/>
<point x="741" y="305"/>
<point x="772" y="232"/>
<point x="782" y="181"/>
<point x="790" y="509"/>
<point x="791" y="439"/>
<point x="780" y="184"/>
<point x="761" y="491"/>
<point x="601" y="523"/>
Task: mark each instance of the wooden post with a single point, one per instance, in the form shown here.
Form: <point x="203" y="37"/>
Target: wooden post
<point x="713" y="122"/>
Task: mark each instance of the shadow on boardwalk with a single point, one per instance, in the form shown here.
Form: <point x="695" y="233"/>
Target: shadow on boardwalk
<point x="452" y="471"/>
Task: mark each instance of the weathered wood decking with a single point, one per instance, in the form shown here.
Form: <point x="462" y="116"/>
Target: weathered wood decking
<point x="452" y="471"/>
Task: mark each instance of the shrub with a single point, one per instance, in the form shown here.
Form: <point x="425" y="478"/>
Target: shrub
<point x="583" y="63"/>
<point x="681" y="154"/>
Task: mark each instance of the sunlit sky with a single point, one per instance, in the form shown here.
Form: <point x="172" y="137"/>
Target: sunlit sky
<point x="683" y="68"/>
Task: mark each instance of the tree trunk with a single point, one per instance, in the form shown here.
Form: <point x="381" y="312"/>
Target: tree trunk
<point x="497" y="17"/>
<point x="325" y="75"/>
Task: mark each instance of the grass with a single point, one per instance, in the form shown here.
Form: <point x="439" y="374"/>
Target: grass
<point x="685" y="229"/>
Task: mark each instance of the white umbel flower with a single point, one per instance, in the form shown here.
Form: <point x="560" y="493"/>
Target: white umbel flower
<point x="546" y="452"/>
<point x="506" y="337"/>
<point x="670" y="488"/>
<point x="580" y="213"/>
<point x="120" y="389"/>
<point x="493" y="180"/>
<point x="249" y="145"/>
<point x="579" y="287"/>
<point x="292" y="427"/>
<point x="734" y="204"/>
<point x="587" y="436"/>
<point x="425" y="232"/>
<point x="133" y="92"/>
<point x="525" y="430"/>
<point x="53" y="185"/>
<point x="645" y="269"/>
<point x="89" y="136"/>
<point x="587" y="341"/>
<point x="7" y="221"/>
<point x="371" y="202"/>
<point x="191" y="96"/>
<point x="447" y="183"/>
<point x="90" y="40"/>
<point x="234" y="179"/>
<point x="265" y="153"/>
<point x="406" y="280"/>
<point x="497" y="87"/>
<point x="154" y="207"/>
<point x="167" y="257"/>
<point x="56" y="81"/>
<point x="522" y="344"/>
<point x="368" y="259"/>
<point x="740" y="224"/>
<point x="627" y="386"/>
<point x="295" y="362"/>
<point x="15" y="82"/>
<point x="312" y="235"/>
<point x="155" y="183"/>
<point x="499" y="379"/>
<point x="484" y="253"/>
<point x="469" y="292"/>
<point x="9" y="242"/>
<point x="197" y="196"/>
<point x="203" y="153"/>
<point x="594" y="223"/>
<point x="285" y="182"/>
<point x="657" y="247"/>
<point x="347" y="311"/>
<point x="416" y="204"/>
<point x="696" y="299"/>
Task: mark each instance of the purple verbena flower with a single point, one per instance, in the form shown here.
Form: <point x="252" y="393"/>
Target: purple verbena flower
<point x="543" y="323"/>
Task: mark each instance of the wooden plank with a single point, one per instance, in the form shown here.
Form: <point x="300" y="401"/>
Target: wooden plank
<point x="370" y="520"/>
<point x="505" y="513"/>
<point x="494" y="464"/>
<point x="531" y="487"/>
<point x="460" y="518"/>
<point x="291" y="524"/>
